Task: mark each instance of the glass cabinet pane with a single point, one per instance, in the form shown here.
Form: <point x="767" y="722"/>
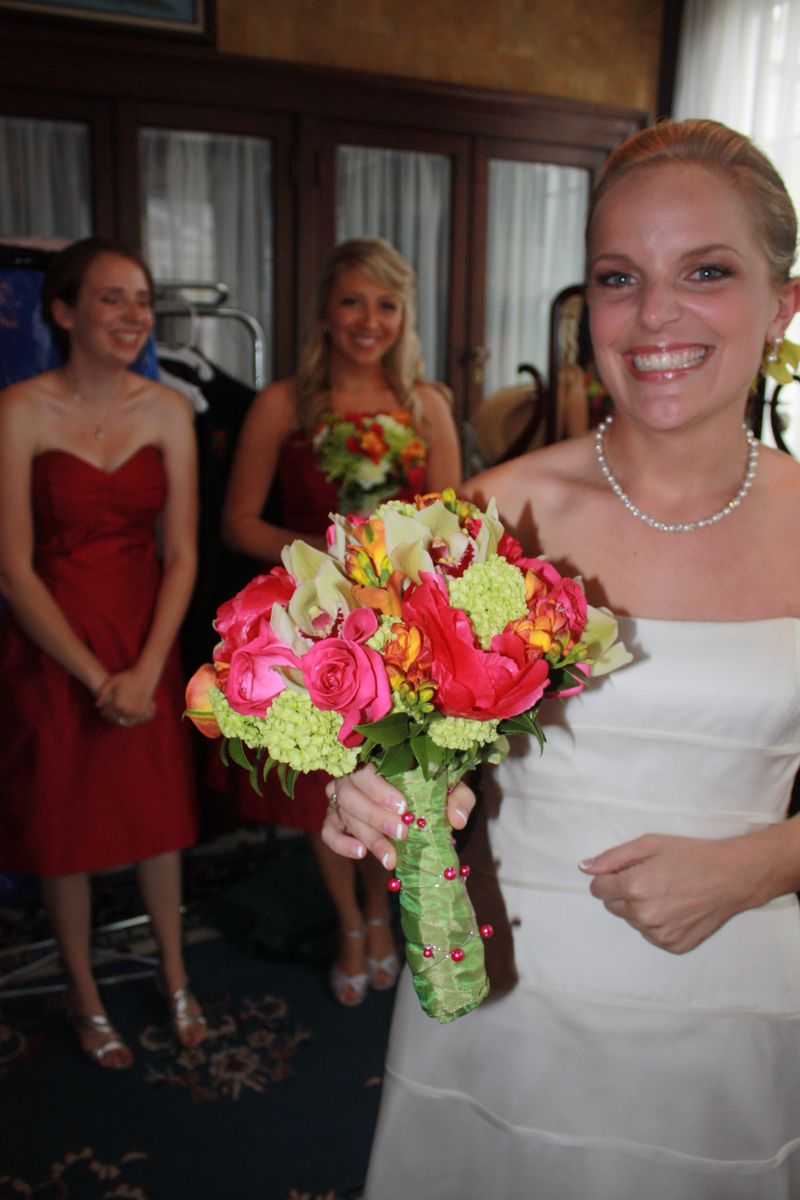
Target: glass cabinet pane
<point x="403" y="196"/>
<point x="534" y="249"/>
<point x="44" y="179"/>
<point x="207" y="216"/>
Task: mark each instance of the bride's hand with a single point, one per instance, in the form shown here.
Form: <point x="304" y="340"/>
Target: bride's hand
<point x="368" y="812"/>
<point x="676" y="891"/>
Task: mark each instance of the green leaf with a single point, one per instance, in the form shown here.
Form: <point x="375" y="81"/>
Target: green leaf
<point x="287" y="776"/>
<point x="237" y="753"/>
<point x="428" y="754"/>
<point x="223" y="752"/>
<point x="396" y="759"/>
<point x="389" y="730"/>
<point x="269" y="763"/>
<point x="525" y="723"/>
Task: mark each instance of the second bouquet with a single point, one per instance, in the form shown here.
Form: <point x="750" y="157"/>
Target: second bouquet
<point x="419" y="642"/>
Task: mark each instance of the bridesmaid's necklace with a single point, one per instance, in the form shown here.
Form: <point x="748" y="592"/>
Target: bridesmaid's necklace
<point x="97" y="423"/>
<point x="685" y="526"/>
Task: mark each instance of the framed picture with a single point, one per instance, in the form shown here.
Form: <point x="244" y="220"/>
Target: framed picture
<point x="177" y="16"/>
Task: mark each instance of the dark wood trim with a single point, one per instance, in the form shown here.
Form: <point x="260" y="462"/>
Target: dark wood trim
<point x="668" y="64"/>
<point x="118" y="81"/>
<point x="107" y="65"/>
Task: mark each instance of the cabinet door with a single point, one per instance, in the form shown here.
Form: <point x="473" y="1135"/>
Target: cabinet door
<point x="527" y="244"/>
<point x="208" y="198"/>
<point x="409" y="188"/>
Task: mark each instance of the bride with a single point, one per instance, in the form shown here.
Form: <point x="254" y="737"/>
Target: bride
<point x="646" y="863"/>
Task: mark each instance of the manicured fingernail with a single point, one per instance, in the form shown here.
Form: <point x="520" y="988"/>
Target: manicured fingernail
<point x="398" y="806"/>
<point x="360" y="851"/>
<point x="399" y="830"/>
<point x="385" y="860"/>
<point x="462" y="814"/>
<point x="586" y="864"/>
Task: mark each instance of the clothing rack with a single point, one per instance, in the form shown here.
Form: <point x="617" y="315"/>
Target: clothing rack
<point x="172" y="300"/>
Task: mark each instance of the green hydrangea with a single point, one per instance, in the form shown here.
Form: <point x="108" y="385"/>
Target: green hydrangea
<point x="401" y="506"/>
<point x="293" y="731"/>
<point x="383" y="633"/>
<point x="460" y="733"/>
<point x="491" y="593"/>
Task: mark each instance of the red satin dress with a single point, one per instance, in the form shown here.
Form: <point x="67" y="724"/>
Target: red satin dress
<point x="307" y="499"/>
<point x="78" y="793"/>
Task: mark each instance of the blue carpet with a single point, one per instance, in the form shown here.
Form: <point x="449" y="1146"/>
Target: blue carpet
<point x="279" y="1104"/>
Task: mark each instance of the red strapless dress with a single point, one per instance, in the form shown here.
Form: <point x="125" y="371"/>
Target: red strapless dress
<point x="77" y="792"/>
<point x="307" y="500"/>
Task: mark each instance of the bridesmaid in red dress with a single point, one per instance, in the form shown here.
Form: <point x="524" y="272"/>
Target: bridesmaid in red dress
<point x="97" y="563"/>
<point x="361" y="355"/>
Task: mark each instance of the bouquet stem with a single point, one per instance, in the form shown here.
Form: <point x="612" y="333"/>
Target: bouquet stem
<point x="443" y="943"/>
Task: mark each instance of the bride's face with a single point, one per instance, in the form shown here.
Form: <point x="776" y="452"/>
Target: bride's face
<point x="680" y="296"/>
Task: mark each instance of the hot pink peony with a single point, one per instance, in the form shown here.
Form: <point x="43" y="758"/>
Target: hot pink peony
<point x="471" y="682"/>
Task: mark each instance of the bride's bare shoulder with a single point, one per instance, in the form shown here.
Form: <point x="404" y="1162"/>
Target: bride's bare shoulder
<point x="542" y="480"/>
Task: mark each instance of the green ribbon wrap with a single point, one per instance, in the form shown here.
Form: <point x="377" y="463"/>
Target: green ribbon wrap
<point x="436" y="913"/>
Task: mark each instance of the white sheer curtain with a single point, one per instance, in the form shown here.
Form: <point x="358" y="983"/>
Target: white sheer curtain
<point x="404" y="197"/>
<point x="535" y="248"/>
<point x="207" y="215"/>
<point x="44" y="179"/>
<point x="739" y="62"/>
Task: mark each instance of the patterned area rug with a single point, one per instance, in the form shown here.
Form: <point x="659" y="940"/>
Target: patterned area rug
<point x="279" y="1103"/>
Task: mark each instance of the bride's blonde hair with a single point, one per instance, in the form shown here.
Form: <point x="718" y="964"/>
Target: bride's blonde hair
<point x="714" y="146"/>
<point x="402" y="364"/>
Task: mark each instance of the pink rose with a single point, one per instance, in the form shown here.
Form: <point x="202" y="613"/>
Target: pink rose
<point x="471" y="682"/>
<point x="239" y="619"/>
<point x="347" y="677"/>
<point x="252" y="680"/>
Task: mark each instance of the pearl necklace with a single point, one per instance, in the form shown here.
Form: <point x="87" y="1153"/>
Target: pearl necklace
<point x="686" y="526"/>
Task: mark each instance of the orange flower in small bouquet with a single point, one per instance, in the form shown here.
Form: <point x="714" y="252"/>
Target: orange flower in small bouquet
<point x="419" y="641"/>
<point x="370" y="456"/>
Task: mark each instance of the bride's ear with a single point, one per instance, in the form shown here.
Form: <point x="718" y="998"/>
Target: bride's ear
<point x="788" y="304"/>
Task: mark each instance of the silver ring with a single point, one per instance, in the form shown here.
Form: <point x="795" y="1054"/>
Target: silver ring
<point x="333" y="803"/>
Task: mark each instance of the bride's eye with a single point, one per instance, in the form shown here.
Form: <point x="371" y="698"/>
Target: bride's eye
<point x="614" y="279"/>
<point x="710" y="272"/>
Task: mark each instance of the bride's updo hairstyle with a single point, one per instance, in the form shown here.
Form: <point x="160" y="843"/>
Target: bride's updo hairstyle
<point x="402" y="365"/>
<point x="714" y="146"/>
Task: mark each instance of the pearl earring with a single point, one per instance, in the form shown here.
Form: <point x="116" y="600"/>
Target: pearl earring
<point x="772" y="353"/>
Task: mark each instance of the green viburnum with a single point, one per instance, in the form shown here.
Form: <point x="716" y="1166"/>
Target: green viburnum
<point x="293" y="731"/>
<point x="460" y="733"/>
<point x="383" y="633"/>
<point x="491" y="593"/>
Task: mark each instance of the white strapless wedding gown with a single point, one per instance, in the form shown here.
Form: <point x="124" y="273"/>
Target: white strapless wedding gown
<point x="614" y="1070"/>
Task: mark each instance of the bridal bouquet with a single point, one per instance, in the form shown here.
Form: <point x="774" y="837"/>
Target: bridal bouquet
<point x="419" y="641"/>
<point x="370" y="456"/>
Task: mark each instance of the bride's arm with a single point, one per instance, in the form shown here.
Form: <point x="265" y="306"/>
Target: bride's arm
<point x="368" y="813"/>
<point x="677" y="891"/>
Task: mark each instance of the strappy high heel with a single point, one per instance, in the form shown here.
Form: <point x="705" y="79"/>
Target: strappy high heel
<point x="190" y="1028"/>
<point x="98" y="1023"/>
<point x="382" y="972"/>
<point x="342" y="983"/>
